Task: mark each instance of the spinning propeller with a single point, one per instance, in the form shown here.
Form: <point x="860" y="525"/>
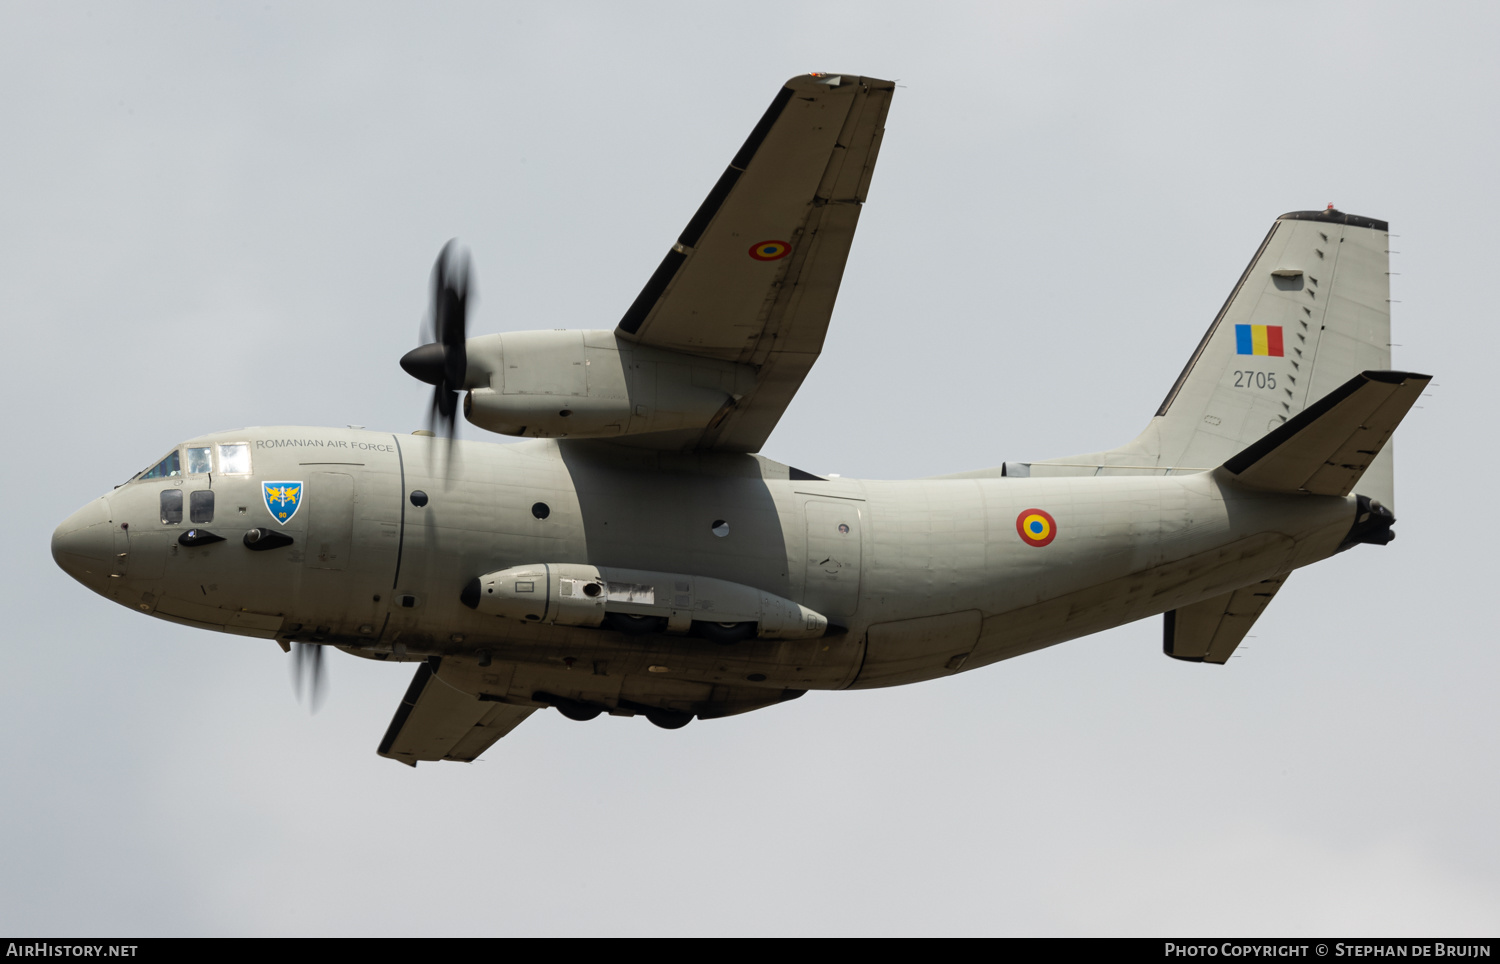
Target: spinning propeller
<point x="443" y="362"/>
<point x="307" y="673"/>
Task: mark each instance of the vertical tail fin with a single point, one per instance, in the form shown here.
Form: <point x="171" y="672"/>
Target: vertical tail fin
<point x="1310" y="312"/>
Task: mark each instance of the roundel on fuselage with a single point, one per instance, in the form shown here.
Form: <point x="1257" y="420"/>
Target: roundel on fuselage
<point x="1036" y="527"/>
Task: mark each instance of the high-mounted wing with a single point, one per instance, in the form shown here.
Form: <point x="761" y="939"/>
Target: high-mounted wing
<point x="753" y="276"/>
<point x="437" y="722"/>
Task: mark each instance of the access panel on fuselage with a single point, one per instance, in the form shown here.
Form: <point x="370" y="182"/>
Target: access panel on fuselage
<point x="330" y="520"/>
<point x="833" y="558"/>
<point x="349" y="545"/>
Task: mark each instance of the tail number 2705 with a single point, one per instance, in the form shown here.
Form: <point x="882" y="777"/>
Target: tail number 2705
<point x="1254" y="379"/>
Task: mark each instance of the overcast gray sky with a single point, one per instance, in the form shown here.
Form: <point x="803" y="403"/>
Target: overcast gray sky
<point x="216" y="215"/>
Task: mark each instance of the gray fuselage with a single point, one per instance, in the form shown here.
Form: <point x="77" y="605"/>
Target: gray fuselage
<point x="918" y="579"/>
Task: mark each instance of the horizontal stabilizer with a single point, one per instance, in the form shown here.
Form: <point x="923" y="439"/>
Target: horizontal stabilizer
<point x="437" y="722"/>
<point x="1209" y="631"/>
<point x="1325" y="448"/>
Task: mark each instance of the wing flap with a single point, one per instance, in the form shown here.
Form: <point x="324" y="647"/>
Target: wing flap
<point x="500" y="719"/>
<point x="437" y="722"/>
<point x="1325" y="449"/>
<point x="1209" y="631"/>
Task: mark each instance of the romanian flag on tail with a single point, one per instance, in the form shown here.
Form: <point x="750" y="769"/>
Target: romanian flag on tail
<point x="1258" y="340"/>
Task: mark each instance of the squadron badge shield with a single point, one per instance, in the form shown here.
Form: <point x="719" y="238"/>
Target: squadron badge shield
<point x="283" y="499"/>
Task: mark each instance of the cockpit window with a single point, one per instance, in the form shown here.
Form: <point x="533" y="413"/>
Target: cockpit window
<point x="234" y="459"/>
<point x="168" y="468"/>
<point x="199" y="460"/>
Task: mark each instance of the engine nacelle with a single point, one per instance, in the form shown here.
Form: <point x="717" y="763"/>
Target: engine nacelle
<point x="593" y="384"/>
<point x="570" y="594"/>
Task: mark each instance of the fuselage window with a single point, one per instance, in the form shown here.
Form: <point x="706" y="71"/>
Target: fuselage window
<point x="200" y="506"/>
<point x="168" y="468"/>
<point x="200" y="460"/>
<point x="171" y="506"/>
<point x="234" y="459"/>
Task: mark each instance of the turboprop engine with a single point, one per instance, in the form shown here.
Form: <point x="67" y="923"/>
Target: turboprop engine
<point x="638" y="601"/>
<point x="593" y="384"/>
<point x="557" y="384"/>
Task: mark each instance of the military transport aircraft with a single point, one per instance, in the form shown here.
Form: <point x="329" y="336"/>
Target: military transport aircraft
<point x="636" y="556"/>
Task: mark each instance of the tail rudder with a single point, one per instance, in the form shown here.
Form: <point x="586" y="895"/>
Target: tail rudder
<point x="1310" y="312"/>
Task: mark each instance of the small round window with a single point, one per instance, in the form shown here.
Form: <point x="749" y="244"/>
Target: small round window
<point x="418" y="498"/>
<point x="720" y="528"/>
<point x="540" y="510"/>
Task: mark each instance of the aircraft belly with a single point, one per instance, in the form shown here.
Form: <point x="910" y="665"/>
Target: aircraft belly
<point x="907" y="650"/>
<point x="1124" y="548"/>
<point x="1134" y="596"/>
<point x="537" y="684"/>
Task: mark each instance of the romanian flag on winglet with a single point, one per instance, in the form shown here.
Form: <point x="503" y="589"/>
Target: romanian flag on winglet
<point x="1258" y="340"/>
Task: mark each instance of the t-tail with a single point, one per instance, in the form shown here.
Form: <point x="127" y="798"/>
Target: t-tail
<point x="1309" y="314"/>
<point x="1290" y="391"/>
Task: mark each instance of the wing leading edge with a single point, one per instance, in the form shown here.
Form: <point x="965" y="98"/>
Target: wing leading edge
<point x="754" y="275"/>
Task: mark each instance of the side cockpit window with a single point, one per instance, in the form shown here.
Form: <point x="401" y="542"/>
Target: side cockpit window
<point x="171" y="506"/>
<point x="168" y="468"/>
<point x="200" y="507"/>
<point x="234" y="459"/>
<point x="200" y="460"/>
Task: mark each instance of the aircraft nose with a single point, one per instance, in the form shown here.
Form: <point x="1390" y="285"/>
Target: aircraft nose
<point x="83" y="546"/>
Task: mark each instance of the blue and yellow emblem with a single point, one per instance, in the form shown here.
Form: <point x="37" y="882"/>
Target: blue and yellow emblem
<point x="283" y="499"/>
